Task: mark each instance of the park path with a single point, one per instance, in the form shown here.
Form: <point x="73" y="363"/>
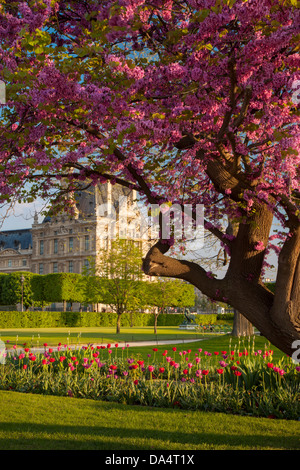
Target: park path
<point x="122" y="344"/>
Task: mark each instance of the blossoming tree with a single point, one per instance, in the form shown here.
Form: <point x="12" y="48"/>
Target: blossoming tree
<point x="186" y="101"/>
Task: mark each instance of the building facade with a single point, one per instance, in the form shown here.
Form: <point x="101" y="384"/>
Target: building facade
<point x="63" y="244"/>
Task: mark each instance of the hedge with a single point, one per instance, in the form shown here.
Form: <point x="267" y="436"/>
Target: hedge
<point x="58" y="287"/>
<point x="11" y="288"/>
<point x="44" y="319"/>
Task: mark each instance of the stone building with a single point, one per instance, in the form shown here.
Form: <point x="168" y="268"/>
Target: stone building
<point x="64" y="244"/>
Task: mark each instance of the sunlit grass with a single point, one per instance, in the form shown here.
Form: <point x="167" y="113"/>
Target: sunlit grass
<point x="90" y="335"/>
<point x="37" y="422"/>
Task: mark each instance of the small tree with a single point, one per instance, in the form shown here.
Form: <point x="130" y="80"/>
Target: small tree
<point x="116" y="279"/>
<point x="169" y="293"/>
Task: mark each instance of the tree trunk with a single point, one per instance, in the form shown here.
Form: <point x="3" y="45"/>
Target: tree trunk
<point x="241" y="326"/>
<point x="275" y="316"/>
<point x="155" y="322"/>
<point x="118" y="330"/>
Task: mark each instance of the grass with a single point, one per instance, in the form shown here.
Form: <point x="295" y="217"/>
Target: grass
<point x="53" y="336"/>
<point x="75" y="336"/>
<point x="38" y="422"/>
<point x="41" y="422"/>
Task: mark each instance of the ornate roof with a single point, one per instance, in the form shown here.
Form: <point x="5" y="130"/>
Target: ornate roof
<point x="16" y="239"/>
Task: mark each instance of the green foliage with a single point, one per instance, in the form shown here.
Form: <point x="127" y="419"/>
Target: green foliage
<point x="43" y="319"/>
<point x="271" y="286"/>
<point x="2" y="279"/>
<point x="116" y="279"/>
<point x="11" y="289"/>
<point x="170" y="293"/>
<point x="59" y="287"/>
<point x="225" y="316"/>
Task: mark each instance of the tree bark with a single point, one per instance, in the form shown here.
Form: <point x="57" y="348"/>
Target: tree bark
<point x="118" y="330"/>
<point x="155" y="323"/>
<point x="277" y="320"/>
<point x="241" y="326"/>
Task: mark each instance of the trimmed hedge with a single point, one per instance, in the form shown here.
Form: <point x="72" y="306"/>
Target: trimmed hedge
<point x="58" y="287"/>
<point x="225" y="316"/>
<point x="43" y="319"/>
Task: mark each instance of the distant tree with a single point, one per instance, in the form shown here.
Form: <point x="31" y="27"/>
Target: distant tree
<point x="165" y="293"/>
<point x="116" y="279"/>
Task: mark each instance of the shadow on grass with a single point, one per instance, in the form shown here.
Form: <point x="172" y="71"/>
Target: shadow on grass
<point x="33" y="436"/>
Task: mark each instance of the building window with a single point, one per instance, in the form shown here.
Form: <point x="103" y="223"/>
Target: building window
<point x="55" y="268"/>
<point x="55" y="245"/>
<point x="87" y="243"/>
<point x="24" y="262"/>
<point x="9" y="263"/>
<point x="71" y="243"/>
<point x="71" y="268"/>
<point x="86" y="266"/>
<point x="41" y="268"/>
<point x="41" y="247"/>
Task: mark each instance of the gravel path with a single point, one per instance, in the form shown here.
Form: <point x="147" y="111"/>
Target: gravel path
<point x="120" y="345"/>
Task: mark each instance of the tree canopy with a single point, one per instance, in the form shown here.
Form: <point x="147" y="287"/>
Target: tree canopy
<point x="186" y="101"/>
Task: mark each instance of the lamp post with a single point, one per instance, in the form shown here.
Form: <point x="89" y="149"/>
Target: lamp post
<point x="22" y="284"/>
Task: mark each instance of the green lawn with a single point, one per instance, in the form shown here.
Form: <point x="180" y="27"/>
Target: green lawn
<point x="76" y="336"/>
<point x="53" y="336"/>
<point x="41" y="422"/>
<point x="33" y="422"/>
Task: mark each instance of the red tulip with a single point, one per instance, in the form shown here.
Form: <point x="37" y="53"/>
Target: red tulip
<point x="161" y="370"/>
<point x="205" y="372"/>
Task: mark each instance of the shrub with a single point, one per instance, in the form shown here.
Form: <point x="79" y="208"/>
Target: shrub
<point x="43" y="319"/>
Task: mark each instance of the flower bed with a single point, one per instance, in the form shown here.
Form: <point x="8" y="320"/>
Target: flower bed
<point x="233" y="381"/>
